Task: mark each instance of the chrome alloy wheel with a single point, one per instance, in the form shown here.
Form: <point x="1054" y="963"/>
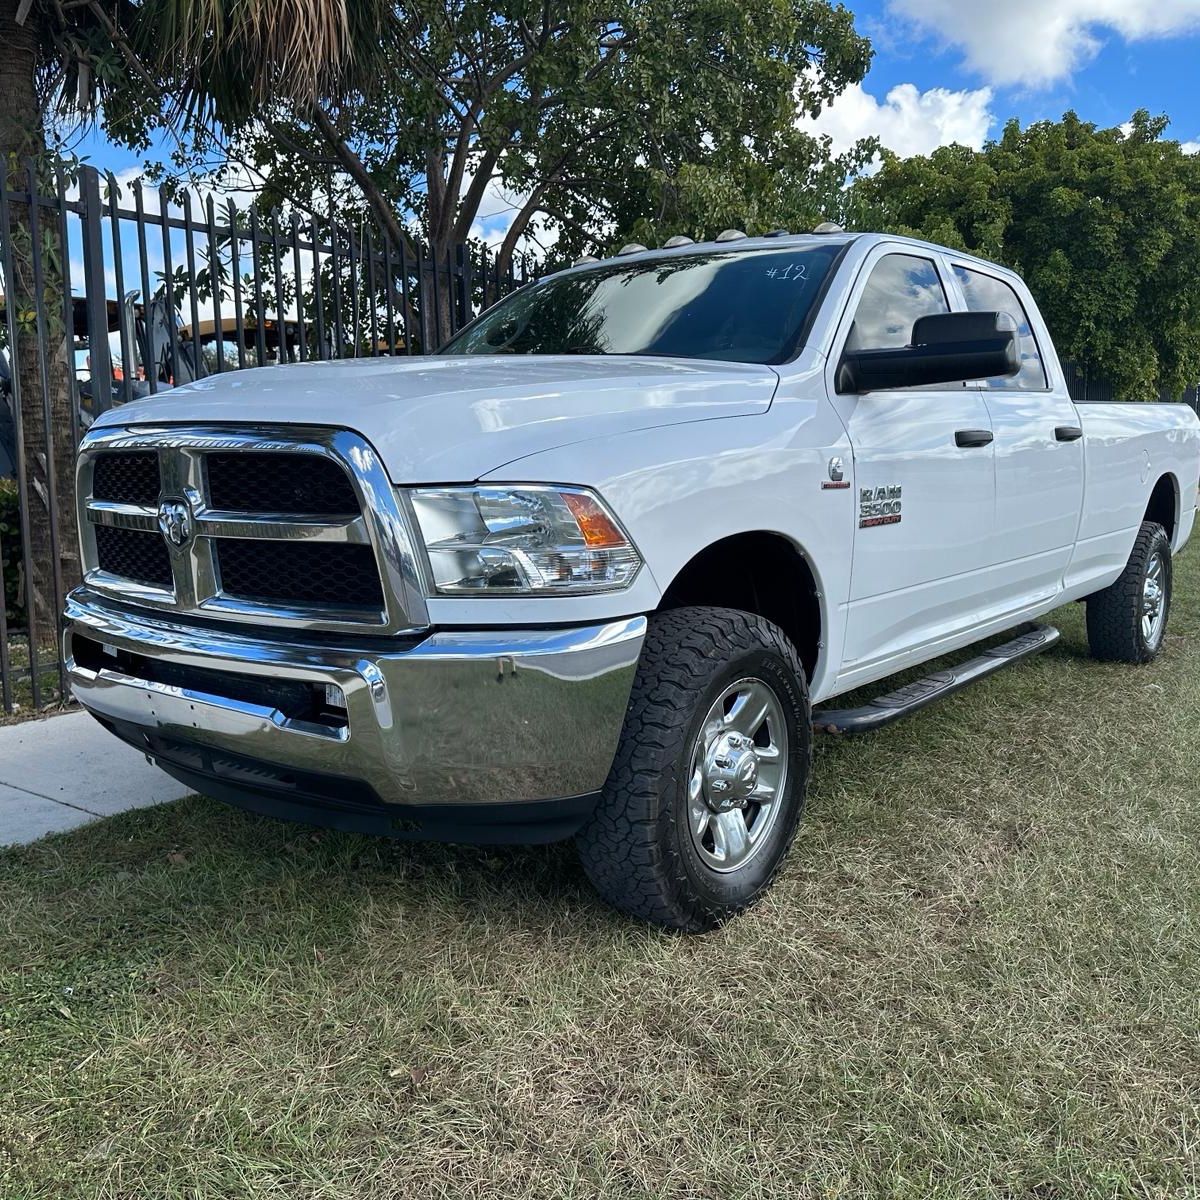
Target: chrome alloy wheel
<point x="1154" y="602"/>
<point x="738" y="774"/>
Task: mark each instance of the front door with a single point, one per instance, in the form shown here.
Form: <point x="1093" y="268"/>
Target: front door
<point x="924" y="470"/>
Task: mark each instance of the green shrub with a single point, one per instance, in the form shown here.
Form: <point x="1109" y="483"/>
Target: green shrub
<point x="10" y="552"/>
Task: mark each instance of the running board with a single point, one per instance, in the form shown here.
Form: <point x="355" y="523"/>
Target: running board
<point x="883" y="710"/>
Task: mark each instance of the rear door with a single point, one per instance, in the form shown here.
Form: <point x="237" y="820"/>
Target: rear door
<point x="925" y="478"/>
<point x="1039" y="453"/>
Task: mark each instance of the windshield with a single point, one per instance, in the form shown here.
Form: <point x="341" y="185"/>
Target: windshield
<point x="740" y="306"/>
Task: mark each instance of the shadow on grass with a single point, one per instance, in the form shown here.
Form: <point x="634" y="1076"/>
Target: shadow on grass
<point x="215" y="868"/>
<point x="209" y="867"/>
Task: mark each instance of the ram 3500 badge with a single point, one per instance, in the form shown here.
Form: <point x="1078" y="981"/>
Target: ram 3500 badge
<point x="599" y="568"/>
<point x="879" y="506"/>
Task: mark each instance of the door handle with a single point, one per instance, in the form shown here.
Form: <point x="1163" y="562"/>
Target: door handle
<point x="966" y="438"/>
<point x="1068" y="433"/>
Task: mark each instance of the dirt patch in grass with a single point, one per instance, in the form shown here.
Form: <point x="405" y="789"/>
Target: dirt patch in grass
<point x="978" y="977"/>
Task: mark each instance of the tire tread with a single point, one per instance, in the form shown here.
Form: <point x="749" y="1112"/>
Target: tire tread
<point x="622" y="848"/>
<point x="1114" y="615"/>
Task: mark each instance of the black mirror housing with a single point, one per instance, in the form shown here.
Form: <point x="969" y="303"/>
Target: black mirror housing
<point x="945" y="348"/>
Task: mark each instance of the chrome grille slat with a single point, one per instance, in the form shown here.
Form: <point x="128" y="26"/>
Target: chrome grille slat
<point x="396" y="605"/>
<point x="194" y="571"/>
<point x="276" y="527"/>
<point x="123" y="516"/>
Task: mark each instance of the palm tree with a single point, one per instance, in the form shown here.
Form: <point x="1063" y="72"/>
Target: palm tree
<point x="208" y="59"/>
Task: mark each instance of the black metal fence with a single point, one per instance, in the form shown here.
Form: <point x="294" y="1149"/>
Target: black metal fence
<point x="112" y="291"/>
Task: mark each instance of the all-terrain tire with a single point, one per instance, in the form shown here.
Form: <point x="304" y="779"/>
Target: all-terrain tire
<point x="638" y="848"/>
<point x="1115" y="616"/>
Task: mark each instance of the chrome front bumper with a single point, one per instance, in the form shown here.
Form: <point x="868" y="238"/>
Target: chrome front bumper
<point x="456" y="718"/>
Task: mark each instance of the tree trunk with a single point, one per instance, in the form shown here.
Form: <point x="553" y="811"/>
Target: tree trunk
<point x="40" y="366"/>
<point x="442" y="298"/>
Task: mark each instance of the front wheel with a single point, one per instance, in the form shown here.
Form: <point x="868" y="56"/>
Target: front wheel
<point x="708" y="783"/>
<point x="1128" y="620"/>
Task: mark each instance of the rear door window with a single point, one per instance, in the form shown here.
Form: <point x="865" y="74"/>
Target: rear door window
<point x="986" y="293"/>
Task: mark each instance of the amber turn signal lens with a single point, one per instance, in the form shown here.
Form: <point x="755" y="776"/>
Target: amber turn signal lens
<point x="594" y="523"/>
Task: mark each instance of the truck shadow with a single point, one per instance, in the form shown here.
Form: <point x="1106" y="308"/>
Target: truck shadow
<point x="234" y="883"/>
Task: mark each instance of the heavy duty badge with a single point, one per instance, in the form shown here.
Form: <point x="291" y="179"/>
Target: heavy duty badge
<point x="879" y="506"/>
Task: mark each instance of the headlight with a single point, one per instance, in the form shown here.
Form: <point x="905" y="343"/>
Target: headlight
<point x="516" y="540"/>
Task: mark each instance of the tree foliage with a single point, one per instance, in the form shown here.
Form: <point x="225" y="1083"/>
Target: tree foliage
<point x="1104" y="224"/>
<point x="602" y="120"/>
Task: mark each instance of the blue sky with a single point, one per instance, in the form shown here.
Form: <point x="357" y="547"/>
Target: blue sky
<point x="964" y="67"/>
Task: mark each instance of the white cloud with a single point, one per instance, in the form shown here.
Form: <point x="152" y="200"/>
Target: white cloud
<point x="907" y="121"/>
<point x="1036" y="42"/>
<point x="498" y="209"/>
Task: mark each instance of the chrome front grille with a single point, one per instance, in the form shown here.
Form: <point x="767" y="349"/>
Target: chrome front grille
<point x="281" y="526"/>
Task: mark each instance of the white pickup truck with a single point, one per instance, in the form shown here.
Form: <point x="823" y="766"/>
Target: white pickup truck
<point x="600" y="567"/>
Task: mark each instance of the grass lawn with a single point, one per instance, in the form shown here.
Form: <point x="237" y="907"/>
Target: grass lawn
<point x="978" y="976"/>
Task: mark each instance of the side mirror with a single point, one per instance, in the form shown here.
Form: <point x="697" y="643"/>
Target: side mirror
<point x="945" y="348"/>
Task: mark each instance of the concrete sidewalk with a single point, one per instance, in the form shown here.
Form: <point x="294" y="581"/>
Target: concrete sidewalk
<point x="60" y="772"/>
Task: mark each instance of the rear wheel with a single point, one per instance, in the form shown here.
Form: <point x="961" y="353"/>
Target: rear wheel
<point x="708" y="783"/>
<point x="1128" y="620"/>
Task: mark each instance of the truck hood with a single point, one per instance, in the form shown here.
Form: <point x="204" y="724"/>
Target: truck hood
<point x="453" y="419"/>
